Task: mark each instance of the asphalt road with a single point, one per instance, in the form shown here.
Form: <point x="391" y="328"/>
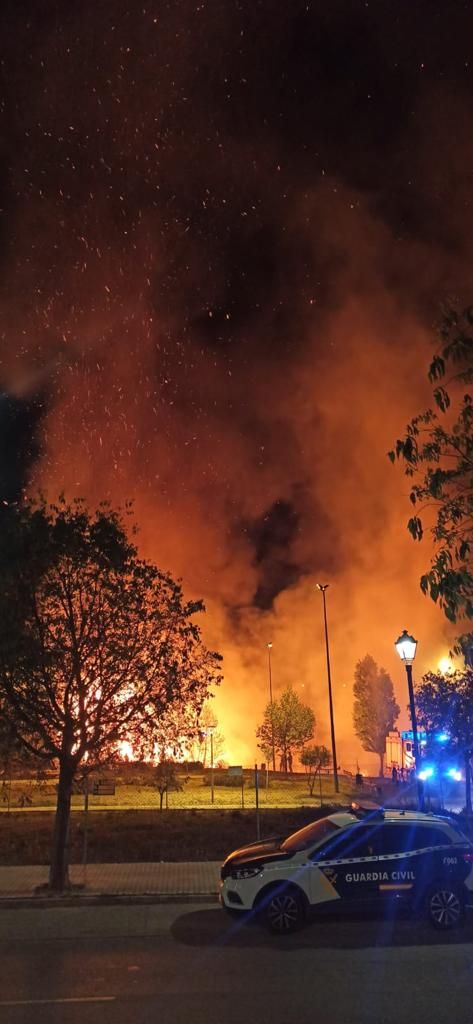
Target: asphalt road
<point x="190" y="964"/>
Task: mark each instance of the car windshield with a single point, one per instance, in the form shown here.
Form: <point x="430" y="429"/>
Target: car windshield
<point x="309" y="836"/>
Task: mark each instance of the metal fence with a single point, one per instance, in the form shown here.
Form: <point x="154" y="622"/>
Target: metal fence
<point x="130" y="788"/>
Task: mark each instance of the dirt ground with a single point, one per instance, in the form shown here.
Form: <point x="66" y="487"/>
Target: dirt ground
<point x="123" y="836"/>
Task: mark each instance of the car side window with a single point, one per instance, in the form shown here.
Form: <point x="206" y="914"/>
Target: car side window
<point x="425" y="836"/>
<point x="354" y="843"/>
<point x="405" y="837"/>
<point x="396" y="839"/>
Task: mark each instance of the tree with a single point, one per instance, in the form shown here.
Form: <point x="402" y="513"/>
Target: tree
<point x="96" y="644"/>
<point x="165" y="779"/>
<point x="293" y="723"/>
<point x="445" y="705"/>
<point x="314" y="758"/>
<point x="202" y="747"/>
<point x="437" y="453"/>
<point x="375" y="709"/>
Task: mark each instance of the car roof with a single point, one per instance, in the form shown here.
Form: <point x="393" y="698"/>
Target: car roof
<point x="423" y="817"/>
<point x="344" y="818"/>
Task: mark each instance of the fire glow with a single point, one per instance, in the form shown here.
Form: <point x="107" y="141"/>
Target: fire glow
<point x="231" y="338"/>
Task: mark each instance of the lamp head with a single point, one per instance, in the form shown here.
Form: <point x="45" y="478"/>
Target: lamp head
<point x="406" y="647"/>
<point x="322" y="586"/>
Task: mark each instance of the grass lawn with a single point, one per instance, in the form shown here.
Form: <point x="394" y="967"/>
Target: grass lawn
<point x="135" y="793"/>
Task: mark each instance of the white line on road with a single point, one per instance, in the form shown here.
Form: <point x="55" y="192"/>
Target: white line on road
<point x="46" y="1002"/>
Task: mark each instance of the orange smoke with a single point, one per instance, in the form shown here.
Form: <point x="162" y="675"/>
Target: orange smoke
<point x="221" y="324"/>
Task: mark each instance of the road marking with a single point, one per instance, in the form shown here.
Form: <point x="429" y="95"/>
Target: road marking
<point x="47" y="1002"/>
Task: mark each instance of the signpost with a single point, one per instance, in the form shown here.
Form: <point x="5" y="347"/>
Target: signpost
<point x="257" y="802"/>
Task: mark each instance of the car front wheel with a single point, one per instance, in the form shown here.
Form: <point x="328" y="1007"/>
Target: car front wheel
<point x="283" y="911"/>
<point x="444" y="906"/>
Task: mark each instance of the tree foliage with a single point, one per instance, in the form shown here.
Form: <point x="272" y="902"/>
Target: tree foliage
<point x="375" y="708"/>
<point x="445" y="705"/>
<point x="293" y="723"/>
<point x="314" y="758"/>
<point x="96" y="645"/>
<point x="202" y="747"/>
<point x="437" y="453"/>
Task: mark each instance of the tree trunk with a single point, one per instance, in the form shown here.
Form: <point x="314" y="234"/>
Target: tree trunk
<point x="381" y="765"/>
<point x="468" y="782"/>
<point x="58" y="872"/>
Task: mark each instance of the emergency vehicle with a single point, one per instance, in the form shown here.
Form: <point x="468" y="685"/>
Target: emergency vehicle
<point x="360" y="860"/>
<point x="400" y="749"/>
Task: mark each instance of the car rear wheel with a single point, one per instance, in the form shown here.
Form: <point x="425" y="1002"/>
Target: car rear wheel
<point x="445" y="906"/>
<point x="283" y="911"/>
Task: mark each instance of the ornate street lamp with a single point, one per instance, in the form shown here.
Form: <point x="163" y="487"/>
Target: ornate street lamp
<point x="406" y="647"/>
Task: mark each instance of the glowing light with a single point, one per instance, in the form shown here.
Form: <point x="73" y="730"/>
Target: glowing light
<point x="406" y="647"/>
<point x="126" y="750"/>
<point x="426" y="773"/>
<point x="445" y="666"/>
<point x="453" y="773"/>
<point x="442" y="737"/>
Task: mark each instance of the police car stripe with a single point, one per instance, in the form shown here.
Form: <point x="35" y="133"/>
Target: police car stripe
<point x="384" y="856"/>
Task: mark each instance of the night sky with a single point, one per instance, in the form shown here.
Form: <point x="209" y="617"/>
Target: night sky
<point x="226" y="233"/>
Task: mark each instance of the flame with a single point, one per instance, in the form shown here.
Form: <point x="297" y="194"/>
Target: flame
<point x="125" y="749"/>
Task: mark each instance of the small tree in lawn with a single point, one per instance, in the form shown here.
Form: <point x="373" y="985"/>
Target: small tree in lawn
<point x="96" y="644"/>
<point x="375" y="708"/>
<point x="314" y="758"/>
<point x="445" y="705"/>
<point x="293" y="724"/>
<point x="165" y="779"/>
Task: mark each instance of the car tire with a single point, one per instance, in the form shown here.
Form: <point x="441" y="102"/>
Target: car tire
<point x="283" y="910"/>
<point x="445" y="906"/>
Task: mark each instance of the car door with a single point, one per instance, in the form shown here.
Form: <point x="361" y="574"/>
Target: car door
<point x="409" y="858"/>
<point x="346" y="868"/>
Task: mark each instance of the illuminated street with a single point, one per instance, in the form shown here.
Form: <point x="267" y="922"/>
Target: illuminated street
<point x="192" y="964"/>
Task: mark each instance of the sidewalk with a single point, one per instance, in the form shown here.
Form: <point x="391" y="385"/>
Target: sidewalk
<point x="158" y="881"/>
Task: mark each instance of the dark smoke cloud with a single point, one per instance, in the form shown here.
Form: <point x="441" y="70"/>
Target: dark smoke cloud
<point x="226" y="229"/>
<point x="19" y="447"/>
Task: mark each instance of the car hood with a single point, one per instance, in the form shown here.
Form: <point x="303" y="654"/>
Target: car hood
<point x="269" y="850"/>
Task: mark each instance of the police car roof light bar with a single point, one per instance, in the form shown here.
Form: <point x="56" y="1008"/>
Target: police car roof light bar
<point x="367" y="810"/>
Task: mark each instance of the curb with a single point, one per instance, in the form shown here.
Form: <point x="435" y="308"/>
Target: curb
<point x="104" y="899"/>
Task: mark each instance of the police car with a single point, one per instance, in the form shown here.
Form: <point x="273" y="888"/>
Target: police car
<point x="353" y="861"/>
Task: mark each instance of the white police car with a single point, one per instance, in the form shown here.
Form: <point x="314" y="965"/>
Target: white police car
<point x="354" y="861"/>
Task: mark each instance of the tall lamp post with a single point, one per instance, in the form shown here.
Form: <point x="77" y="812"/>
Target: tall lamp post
<point x="269" y="646"/>
<point x="406" y="648"/>
<point x="210" y="730"/>
<point x="323" y="587"/>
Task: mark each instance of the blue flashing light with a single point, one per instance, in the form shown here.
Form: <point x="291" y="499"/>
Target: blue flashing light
<point x="427" y="773"/>
<point x="454" y="773"/>
<point x="442" y="737"/>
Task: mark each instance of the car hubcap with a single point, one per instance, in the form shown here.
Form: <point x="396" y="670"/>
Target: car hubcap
<point x="445" y="908"/>
<point x="283" y="912"/>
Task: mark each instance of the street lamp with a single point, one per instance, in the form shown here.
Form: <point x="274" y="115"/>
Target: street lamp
<point x="269" y="646"/>
<point x="323" y="587"/>
<point x="210" y="732"/>
<point x="406" y="648"/>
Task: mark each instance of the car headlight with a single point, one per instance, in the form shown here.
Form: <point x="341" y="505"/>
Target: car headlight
<point x="245" y="872"/>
